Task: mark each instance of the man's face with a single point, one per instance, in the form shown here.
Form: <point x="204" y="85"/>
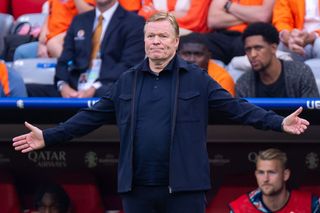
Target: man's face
<point x="195" y="53"/>
<point x="271" y="177"/>
<point x="48" y="204"/>
<point x="260" y="53"/>
<point x="160" y="40"/>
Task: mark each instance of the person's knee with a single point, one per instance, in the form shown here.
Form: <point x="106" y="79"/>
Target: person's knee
<point x="28" y="50"/>
<point x="55" y="45"/>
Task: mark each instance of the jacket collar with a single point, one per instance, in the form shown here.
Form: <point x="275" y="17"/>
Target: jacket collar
<point x="181" y="64"/>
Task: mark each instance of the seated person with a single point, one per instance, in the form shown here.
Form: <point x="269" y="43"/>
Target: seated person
<point x="54" y="29"/>
<point x="299" y="25"/>
<point x="270" y="76"/>
<point x="272" y="195"/>
<point x="11" y="83"/>
<point x="52" y="198"/>
<point x="191" y="15"/>
<point x="193" y="48"/>
<point x="99" y="46"/>
<point x="131" y="5"/>
<point x="228" y="19"/>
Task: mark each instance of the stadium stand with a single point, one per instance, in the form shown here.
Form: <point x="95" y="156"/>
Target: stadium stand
<point x="315" y="67"/>
<point x="20" y="7"/>
<point x="36" y="70"/>
<point x="35" y="19"/>
<point x="83" y="192"/>
<point x="9" y="201"/>
<point x="6" y="22"/>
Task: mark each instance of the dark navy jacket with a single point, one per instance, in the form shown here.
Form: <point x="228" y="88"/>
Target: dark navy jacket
<point x="193" y="95"/>
<point x="122" y="47"/>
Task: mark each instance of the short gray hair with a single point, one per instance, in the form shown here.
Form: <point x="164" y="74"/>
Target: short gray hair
<point x="164" y="16"/>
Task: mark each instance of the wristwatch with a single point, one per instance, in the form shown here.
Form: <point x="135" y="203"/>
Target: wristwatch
<point x="227" y="6"/>
<point x="60" y="84"/>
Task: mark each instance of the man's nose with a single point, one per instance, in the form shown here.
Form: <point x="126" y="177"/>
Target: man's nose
<point x="252" y="53"/>
<point x="266" y="177"/>
<point x="156" y="40"/>
<point x="192" y="58"/>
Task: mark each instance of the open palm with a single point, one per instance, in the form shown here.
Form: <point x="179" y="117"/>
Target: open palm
<point x="30" y="141"/>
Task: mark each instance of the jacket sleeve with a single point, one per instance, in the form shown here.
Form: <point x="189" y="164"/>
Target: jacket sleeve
<point x="309" y="86"/>
<point x="243" y="86"/>
<point x="82" y="123"/>
<point x="241" y="111"/>
<point x="62" y="73"/>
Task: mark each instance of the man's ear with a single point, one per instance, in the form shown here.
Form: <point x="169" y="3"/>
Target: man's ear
<point x="274" y="47"/>
<point x="286" y="174"/>
<point x="178" y="41"/>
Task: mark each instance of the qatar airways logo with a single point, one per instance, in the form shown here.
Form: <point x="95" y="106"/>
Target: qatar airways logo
<point x="48" y="159"/>
<point x="313" y="104"/>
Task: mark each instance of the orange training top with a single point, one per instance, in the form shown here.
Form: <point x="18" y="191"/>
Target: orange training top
<point x="220" y="75"/>
<point x="4" y="78"/>
<point x="241" y="27"/>
<point x="61" y="13"/>
<point x="195" y="19"/>
<point x="289" y="14"/>
<point x="131" y="5"/>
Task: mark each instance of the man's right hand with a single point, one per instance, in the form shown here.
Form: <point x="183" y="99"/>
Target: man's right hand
<point x="30" y="141"/>
<point x="67" y="92"/>
<point x="42" y="51"/>
<point x="296" y="41"/>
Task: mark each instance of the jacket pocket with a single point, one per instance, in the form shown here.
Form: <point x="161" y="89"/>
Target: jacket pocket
<point x="188" y="106"/>
<point x="124" y="108"/>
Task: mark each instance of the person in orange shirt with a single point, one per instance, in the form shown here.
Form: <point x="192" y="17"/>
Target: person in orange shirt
<point x="191" y="15"/>
<point x="193" y="49"/>
<point x="11" y="83"/>
<point x="54" y="29"/>
<point x="228" y="19"/>
<point x="131" y="5"/>
<point x="299" y="25"/>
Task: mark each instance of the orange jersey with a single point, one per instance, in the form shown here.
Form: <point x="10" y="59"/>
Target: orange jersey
<point x="61" y="13"/>
<point x="241" y="27"/>
<point x="4" y="78"/>
<point x="131" y="5"/>
<point x="220" y="75"/>
<point x="289" y="14"/>
<point x="195" y="19"/>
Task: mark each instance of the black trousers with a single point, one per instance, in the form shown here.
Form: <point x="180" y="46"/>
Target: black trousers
<point x="224" y="45"/>
<point x="157" y="199"/>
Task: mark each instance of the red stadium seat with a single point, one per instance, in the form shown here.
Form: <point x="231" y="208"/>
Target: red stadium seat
<point x="20" y="7"/>
<point x="83" y="192"/>
<point x="225" y="195"/>
<point x="4" y="6"/>
<point x="9" y="202"/>
<point x="314" y="189"/>
<point x="231" y="188"/>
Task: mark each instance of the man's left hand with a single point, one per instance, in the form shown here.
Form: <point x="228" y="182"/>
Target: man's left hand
<point x="293" y="124"/>
<point x="88" y="93"/>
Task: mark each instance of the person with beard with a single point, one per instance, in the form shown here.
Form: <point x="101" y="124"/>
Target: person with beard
<point x="99" y="46"/>
<point x="193" y="48"/>
<point x="161" y="107"/>
<point x="270" y="76"/>
<point x="272" y="195"/>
